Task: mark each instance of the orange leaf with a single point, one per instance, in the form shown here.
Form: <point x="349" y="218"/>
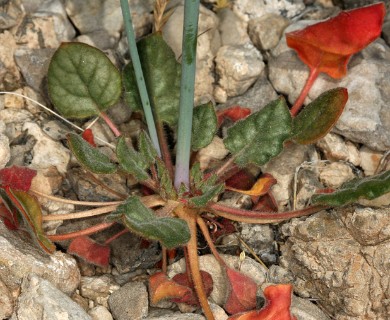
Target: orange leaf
<point x="162" y="288"/>
<point x="261" y="187"/>
<point x="328" y="45"/>
<point x="242" y="296"/>
<point x="234" y="113"/>
<point x="277" y="307"/>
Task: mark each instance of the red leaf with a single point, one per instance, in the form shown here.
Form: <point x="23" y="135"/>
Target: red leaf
<point x="277" y="307"/>
<point x="161" y="288"/>
<point x="242" y="296"/>
<point x="191" y="298"/>
<point x="88" y="136"/>
<point x="233" y="113"/>
<point x="17" y="178"/>
<point x="10" y="218"/>
<point x="241" y="180"/>
<point x="266" y="203"/>
<point x="328" y="45"/>
<point x="92" y="252"/>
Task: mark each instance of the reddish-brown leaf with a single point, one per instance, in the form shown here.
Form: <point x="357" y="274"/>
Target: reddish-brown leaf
<point x="277" y="307"/>
<point x="234" y="113"/>
<point x="266" y="203"/>
<point x="190" y="298"/>
<point x="10" y="218"/>
<point x="90" y="251"/>
<point x="161" y="288"/>
<point x="88" y="136"/>
<point x="327" y="46"/>
<point x="17" y="178"/>
<point x="242" y="296"/>
<point x="243" y="179"/>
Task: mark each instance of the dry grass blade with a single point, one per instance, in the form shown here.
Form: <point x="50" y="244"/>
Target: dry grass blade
<point x="159" y="17"/>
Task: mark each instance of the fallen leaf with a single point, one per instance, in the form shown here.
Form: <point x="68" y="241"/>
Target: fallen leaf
<point x="327" y="46"/>
<point x="191" y="297"/>
<point x="90" y="251"/>
<point x="161" y="288"/>
<point x="243" y="179"/>
<point x="234" y="113"/>
<point x="261" y="187"/>
<point x="17" y="178"/>
<point x="277" y="307"/>
<point x="242" y="296"/>
<point x="10" y="218"/>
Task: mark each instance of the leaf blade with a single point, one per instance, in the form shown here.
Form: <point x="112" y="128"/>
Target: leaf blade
<point x="204" y="126"/>
<point x="82" y="81"/>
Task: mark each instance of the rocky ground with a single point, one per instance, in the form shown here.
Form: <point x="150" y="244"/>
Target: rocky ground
<point x="338" y="259"/>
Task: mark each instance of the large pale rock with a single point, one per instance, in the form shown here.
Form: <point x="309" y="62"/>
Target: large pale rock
<point x="232" y="29"/>
<point x="129" y="302"/>
<point x="367" y="82"/>
<point x="41" y="300"/>
<point x="6" y="301"/>
<point x="9" y="73"/>
<point x="335" y="174"/>
<point x="340" y="259"/>
<point x="5" y="151"/>
<point x="20" y="257"/>
<point x="251" y="9"/>
<point x="238" y="67"/>
<point x="98" y="289"/>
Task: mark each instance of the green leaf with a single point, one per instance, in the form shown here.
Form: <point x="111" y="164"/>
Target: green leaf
<point x="207" y="196"/>
<point x="146" y="148"/>
<point x="90" y="157"/>
<point x="204" y="126"/>
<point x="351" y="191"/>
<point x="131" y="161"/>
<point x="260" y="137"/>
<point x="319" y="116"/>
<point x="162" y="76"/>
<point x="82" y="81"/>
<point x="196" y="175"/>
<point x="29" y="209"/>
<point x="167" y="190"/>
<point x="171" y="232"/>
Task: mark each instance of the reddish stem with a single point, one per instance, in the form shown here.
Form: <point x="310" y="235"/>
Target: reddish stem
<point x="309" y="83"/>
<point x="111" y="124"/>
<point x="249" y="216"/>
<point x="116" y="236"/>
<point x="164" y="260"/>
<point x="84" y="232"/>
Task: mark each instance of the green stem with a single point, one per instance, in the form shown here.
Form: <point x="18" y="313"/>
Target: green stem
<point x="309" y="83"/>
<point x="187" y="90"/>
<point x="139" y="74"/>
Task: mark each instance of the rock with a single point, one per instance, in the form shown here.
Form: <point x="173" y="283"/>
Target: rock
<point x="282" y="168"/>
<point x="232" y="29"/>
<point x="11" y="14"/>
<point x="100" y="313"/>
<point x="386" y="32"/>
<point x="178" y="316"/>
<point x="98" y="289"/>
<point x="335" y="148"/>
<point x="303" y="309"/>
<point x="39" y="299"/>
<point x="33" y="64"/>
<point x="46" y="152"/>
<point x="339" y="258"/>
<point x="129" y="302"/>
<point x="20" y="257"/>
<point x="366" y="69"/>
<point x="208" y="263"/>
<point x="56" y="10"/>
<point x="370" y="160"/>
<point x="335" y="174"/>
<point x="128" y="255"/>
<point x="238" y="67"/>
<point x="307" y="183"/>
<point x="100" y="39"/>
<point x="266" y="31"/>
<point x="5" y="151"/>
<point x="9" y="73"/>
<point x="215" y="151"/>
<point x="207" y="46"/>
<point x="256" y="98"/>
<point x="107" y="16"/>
<point x="251" y="9"/>
<point x="6" y="302"/>
<point x="260" y="239"/>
